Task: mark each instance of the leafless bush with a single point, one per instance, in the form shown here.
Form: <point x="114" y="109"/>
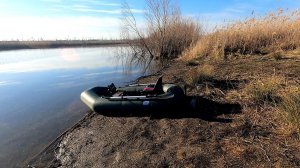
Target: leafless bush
<point x="165" y="36"/>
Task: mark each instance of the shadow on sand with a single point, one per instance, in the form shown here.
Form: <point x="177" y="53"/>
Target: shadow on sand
<point x="193" y="107"/>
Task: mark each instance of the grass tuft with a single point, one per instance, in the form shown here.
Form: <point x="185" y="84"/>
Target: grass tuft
<point x="278" y="55"/>
<point x="265" y="91"/>
<point x="291" y="105"/>
<point x="200" y="74"/>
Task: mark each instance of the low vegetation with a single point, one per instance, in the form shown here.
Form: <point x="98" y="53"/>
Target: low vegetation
<point x="275" y="91"/>
<point x="291" y="105"/>
<point x="263" y="51"/>
<point x="200" y="74"/>
<point x="265" y="91"/>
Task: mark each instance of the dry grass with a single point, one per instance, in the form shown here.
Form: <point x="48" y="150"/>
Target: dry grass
<point x="258" y="35"/>
<point x="277" y="55"/>
<point x="265" y="91"/>
<point x="278" y="92"/>
<point x="291" y="105"/>
<point x="200" y="74"/>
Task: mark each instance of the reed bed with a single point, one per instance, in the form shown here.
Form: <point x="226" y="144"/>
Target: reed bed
<point x="277" y="31"/>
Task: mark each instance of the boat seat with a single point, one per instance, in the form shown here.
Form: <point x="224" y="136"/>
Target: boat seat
<point x="157" y="89"/>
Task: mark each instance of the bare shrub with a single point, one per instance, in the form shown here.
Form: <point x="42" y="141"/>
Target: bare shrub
<point x="165" y="36"/>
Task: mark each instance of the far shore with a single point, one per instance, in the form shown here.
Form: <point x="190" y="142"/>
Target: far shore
<point x="16" y="45"/>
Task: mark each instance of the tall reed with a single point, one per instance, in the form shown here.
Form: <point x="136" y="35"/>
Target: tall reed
<point x="279" y="31"/>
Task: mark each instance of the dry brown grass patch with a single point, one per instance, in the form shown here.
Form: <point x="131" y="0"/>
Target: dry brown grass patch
<point x="291" y="105"/>
<point x="277" y="55"/>
<point x="265" y="91"/>
<point x="200" y="74"/>
<point x="256" y="35"/>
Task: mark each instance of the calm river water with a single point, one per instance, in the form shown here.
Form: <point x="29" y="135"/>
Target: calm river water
<point x="39" y="94"/>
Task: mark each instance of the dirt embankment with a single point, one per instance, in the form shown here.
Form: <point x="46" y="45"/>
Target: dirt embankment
<point x="224" y="131"/>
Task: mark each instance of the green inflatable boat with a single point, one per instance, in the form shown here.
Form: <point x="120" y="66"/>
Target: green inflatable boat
<point x="153" y="96"/>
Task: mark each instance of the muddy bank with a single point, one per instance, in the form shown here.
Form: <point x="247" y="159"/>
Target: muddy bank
<point x="221" y="132"/>
<point x="47" y="157"/>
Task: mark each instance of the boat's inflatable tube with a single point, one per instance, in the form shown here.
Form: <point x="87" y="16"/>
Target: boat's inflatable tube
<point x="98" y="99"/>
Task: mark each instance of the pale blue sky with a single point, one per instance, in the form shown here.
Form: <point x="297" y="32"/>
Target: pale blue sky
<point x="61" y="19"/>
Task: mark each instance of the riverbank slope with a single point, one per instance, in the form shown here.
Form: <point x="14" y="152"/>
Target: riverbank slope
<point x="228" y="129"/>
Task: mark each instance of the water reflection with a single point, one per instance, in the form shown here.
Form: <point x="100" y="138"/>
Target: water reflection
<point x="40" y="94"/>
<point x="51" y="59"/>
<point x="8" y="83"/>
